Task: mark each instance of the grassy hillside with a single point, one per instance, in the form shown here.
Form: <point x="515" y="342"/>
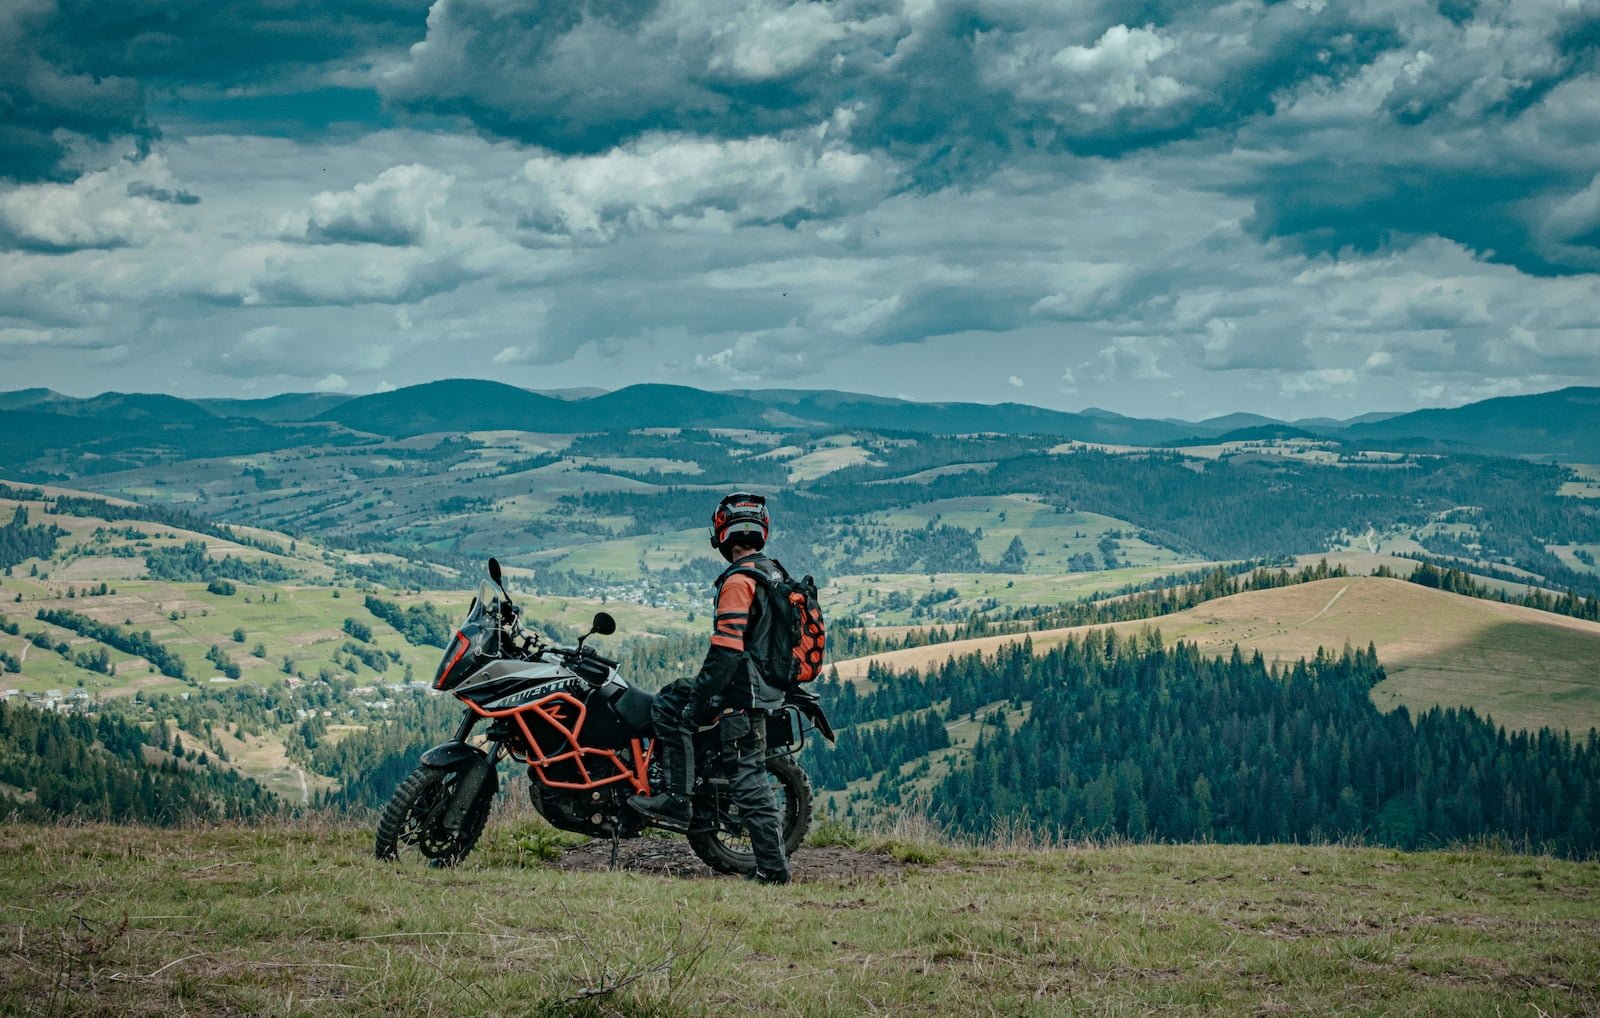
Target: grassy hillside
<point x="299" y="920"/>
<point x="290" y="633"/>
<point x="1527" y="669"/>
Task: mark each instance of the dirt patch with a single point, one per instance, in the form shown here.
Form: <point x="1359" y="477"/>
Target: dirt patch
<point x="672" y="857"/>
<point x="102" y="567"/>
<point x="307" y="637"/>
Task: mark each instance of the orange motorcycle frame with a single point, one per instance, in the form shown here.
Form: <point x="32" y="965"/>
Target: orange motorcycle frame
<point x="549" y="710"/>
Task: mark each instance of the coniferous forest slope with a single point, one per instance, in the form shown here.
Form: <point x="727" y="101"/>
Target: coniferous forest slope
<point x="1106" y="734"/>
<point x="1524" y="668"/>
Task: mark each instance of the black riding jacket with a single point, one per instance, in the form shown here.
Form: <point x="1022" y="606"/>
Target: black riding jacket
<point x="741" y="629"/>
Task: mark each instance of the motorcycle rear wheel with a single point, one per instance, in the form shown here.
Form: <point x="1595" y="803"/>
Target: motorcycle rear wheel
<point x="727" y="852"/>
<point x="411" y="826"/>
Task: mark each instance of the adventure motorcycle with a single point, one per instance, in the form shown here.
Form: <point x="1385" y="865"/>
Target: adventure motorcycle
<point x="585" y="735"/>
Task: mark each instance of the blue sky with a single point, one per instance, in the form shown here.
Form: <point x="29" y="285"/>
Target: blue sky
<point x="1166" y="209"/>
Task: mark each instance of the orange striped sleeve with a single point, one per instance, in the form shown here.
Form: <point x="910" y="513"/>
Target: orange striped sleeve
<point x="733" y="611"/>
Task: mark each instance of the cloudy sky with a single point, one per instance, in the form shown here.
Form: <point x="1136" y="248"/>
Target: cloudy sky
<point x="1159" y="207"/>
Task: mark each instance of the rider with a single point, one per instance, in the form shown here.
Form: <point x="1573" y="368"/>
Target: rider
<point x="729" y="687"/>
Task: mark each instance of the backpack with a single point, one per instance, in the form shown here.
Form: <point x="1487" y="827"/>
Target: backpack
<point x="798" y="637"/>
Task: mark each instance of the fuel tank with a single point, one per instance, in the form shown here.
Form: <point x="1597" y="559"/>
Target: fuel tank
<point x="502" y="685"/>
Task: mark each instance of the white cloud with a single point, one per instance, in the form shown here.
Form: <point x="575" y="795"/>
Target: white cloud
<point x="774" y="354"/>
<point x="332" y="383"/>
<point x="1015" y="382"/>
<point x="121" y="206"/>
<point x="1318" y="380"/>
<point x="1135" y="358"/>
<point x="397" y="208"/>
<point x="299" y="354"/>
<point x="25" y="337"/>
<point x="761" y="42"/>
<point x="1115" y="73"/>
<point x="519" y="355"/>
<point x="675" y="181"/>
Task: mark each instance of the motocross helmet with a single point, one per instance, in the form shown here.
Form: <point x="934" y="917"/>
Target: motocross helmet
<point x="741" y="517"/>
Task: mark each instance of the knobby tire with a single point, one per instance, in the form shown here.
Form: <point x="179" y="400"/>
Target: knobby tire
<point x="403" y="821"/>
<point x="712" y="846"/>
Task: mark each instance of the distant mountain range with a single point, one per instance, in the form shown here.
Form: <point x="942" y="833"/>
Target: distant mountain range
<point x="1563" y="424"/>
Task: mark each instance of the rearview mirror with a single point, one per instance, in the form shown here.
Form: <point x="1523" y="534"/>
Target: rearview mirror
<point x="603" y="624"/>
<point x="494" y="572"/>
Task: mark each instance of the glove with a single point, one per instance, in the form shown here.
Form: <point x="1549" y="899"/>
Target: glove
<point x="697" y="712"/>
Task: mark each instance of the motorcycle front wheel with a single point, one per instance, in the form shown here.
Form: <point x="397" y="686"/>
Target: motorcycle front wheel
<point x="411" y="826"/>
<point x="727" y="849"/>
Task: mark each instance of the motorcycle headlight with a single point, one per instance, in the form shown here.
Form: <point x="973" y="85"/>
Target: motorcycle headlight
<point x="452" y="657"/>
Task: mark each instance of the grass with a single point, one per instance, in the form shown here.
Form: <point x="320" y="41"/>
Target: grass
<point x="1050" y="537"/>
<point x="297" y="919"/>
<point x="867" y="593"/>
<point x="620" y="558"/>
<point x="1523" y="674"/>
<point x="1589" y="484"/>
<point x="835" y="454"/>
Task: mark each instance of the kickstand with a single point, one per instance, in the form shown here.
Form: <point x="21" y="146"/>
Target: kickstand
<point x="616" y="847"/>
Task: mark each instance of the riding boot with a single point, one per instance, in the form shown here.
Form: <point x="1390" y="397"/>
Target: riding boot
<point x="674" y="747"/>
<point x="669" y="806"/>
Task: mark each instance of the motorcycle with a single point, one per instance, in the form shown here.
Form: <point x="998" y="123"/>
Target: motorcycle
<point x="584" y="734"/>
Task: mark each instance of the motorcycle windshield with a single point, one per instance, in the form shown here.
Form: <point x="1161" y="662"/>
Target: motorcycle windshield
<point x="484" y="619"/>
<point x="486" y="603"/>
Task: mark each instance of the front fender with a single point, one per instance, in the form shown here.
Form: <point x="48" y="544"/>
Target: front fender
<point x="454" y="755"/>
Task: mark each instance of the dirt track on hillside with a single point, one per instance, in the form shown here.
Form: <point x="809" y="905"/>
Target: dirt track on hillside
<point x="672" y="857"/>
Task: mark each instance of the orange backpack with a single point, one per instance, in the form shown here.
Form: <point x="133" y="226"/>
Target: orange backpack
<point x="799" y="637"/>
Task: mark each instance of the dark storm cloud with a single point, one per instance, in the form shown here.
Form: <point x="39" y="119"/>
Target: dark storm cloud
<point x="86" y="68"/>
<point x="40" y="96"/>
<point x="1332" y="205"/>
<point x="1484" y="134"/>
<point x="955" y="88"/>
<point x="166" y="195"/>
<point x="1455" y="145"/>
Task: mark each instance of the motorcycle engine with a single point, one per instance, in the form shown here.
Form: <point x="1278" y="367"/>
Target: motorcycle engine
<point x="594" y="812"/>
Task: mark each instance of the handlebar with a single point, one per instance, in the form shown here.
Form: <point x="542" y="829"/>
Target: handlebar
<point x="533" y="645"/>
<point x="608" y="662"/>
<point x="583" y="654"/>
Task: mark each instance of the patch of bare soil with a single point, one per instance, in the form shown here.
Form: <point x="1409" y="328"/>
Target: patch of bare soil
<point x="672" y="857"/>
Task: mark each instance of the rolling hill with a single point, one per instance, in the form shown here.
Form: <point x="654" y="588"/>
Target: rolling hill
<point x="1563" y="425"/>
<point x="255" y="625"/>
<point x="290" y="406"/>
<point x="1525" y="668"/>
<point x="452" y="405"/>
